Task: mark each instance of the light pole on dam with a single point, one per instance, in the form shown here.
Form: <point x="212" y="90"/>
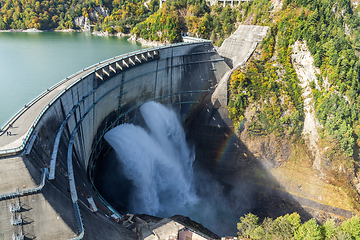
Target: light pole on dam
<point x="45" y="163"/>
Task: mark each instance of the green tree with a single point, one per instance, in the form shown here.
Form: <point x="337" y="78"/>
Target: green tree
<point x="352" y="227"/>
<point x="247" y="225"/>
<point x="329" y="230"/>
<point x="284" y="226"/>
<point x="310" y="230"/>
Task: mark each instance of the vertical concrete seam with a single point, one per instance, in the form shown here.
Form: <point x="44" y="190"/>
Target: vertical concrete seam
<point x="171" y="71"/>
<point x="156" y="76"/>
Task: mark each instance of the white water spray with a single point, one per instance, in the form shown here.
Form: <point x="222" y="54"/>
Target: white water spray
<point x="158" y="162"/>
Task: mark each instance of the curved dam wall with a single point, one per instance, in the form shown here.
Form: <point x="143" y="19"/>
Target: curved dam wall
<point x="69" y="134"/>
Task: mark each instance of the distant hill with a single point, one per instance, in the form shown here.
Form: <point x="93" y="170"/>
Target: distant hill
<point x="112" y="16"/>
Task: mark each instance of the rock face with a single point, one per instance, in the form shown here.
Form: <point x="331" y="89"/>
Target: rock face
<point x="83" y="23"/>
<point x="272" y="152"/>
<point x="102" y="11"/>
<point x="99" y="10"/>
<point x="277" y="5"/>
<point x="303" y="63"/>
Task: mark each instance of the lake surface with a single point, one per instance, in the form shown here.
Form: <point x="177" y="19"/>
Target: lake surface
<point x="32" y="62"/>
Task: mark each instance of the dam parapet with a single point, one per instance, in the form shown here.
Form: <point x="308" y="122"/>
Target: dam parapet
<point x="62" y="131"/>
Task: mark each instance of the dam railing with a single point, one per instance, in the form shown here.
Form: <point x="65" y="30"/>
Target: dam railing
<point x="26" y="191"/>
<point x="98" y="70"/>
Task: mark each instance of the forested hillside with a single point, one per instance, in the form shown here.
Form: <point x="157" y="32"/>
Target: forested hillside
<point x="193" y="16"/>
<point x="269" y="88"/>
<point x="325" y="26"/>
<point x="60" y="14"/>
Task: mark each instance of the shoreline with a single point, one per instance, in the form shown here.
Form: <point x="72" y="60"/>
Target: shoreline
<point x="132" y="38"/>
<point x="34" y="30"/>
<point x="146" y="43"/>
<point x="37" y="30"/>
<point x="97" y="33"/>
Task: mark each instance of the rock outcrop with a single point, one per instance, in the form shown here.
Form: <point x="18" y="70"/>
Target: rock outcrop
<point x="303" y="63"/>
<point x="83" y="23"/>
<point x="99" y="10"/>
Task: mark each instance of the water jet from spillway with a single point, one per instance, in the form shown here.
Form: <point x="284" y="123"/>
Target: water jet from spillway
<point x="157" y="160"/>
<point x="154" y="172"/>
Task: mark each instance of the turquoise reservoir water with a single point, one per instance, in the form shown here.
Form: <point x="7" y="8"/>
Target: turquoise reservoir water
<point x="32" y="62"/>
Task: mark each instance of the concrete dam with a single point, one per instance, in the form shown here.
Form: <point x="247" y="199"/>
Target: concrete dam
<point x="50" y="161"/>
<point x="47" y="161"/>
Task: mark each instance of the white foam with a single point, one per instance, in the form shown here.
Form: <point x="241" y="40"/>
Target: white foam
<point x="157" y="160"/>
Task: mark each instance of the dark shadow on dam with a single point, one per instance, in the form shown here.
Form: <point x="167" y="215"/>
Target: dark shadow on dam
<point x="224" y="174"/>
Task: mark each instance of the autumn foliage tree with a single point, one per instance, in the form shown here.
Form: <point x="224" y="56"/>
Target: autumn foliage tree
<point x="290" y="227"/>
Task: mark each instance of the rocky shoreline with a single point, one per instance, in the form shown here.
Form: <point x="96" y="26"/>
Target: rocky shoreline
<point x="146" y="43"/>
<point x="37" y="30"/>
<point x="132" y="38"/>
